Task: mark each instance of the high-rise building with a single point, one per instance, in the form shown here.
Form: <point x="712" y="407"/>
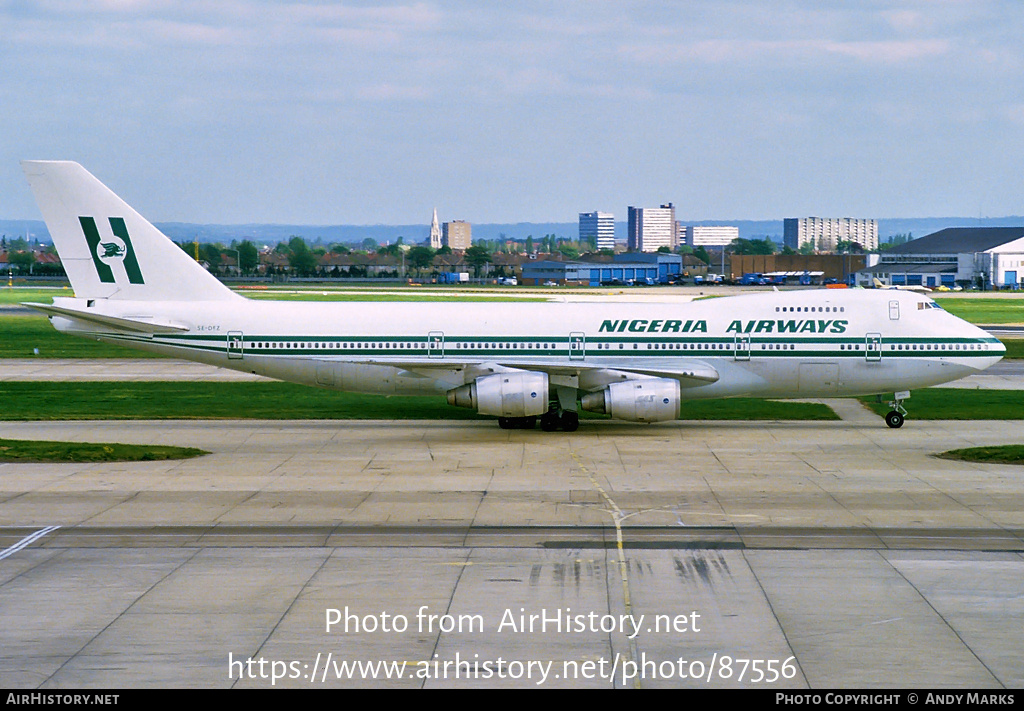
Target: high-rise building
<point x="652" y="227"/>
<point x="824" y="233"/>
<point x="435" y="233"/>
<point x="598" y="228"/>
<point x="710" y="235"/>
<point x="457" y="234"/>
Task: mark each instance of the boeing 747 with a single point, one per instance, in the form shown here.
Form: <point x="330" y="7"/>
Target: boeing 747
<point x="516" y="362"/>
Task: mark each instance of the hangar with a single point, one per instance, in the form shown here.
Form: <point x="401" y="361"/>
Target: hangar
<point x="982" y="257"/>
<point x="657" y="267"/>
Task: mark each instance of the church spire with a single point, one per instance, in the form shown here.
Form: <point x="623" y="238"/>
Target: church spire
<point x="435" y="233"/>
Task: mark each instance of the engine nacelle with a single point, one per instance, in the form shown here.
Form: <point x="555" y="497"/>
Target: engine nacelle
<point x="519" y="394"/>
<point x="646" y="400"/>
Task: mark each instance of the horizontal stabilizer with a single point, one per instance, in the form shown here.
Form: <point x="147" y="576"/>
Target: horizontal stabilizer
<point x="137" y="325"/>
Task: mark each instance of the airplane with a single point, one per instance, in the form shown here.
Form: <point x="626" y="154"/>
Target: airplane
<point x="878" y="284"/>
<point x="516" y="362"/>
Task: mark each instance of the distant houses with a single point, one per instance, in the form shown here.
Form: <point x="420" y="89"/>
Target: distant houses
<point x="31" y="263"/>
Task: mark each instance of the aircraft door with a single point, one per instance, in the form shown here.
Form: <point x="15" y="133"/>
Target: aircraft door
<point x="435" y="344"/>
<point x="873" y="347"/>
<point x="742" y="347"/>
<point x="235" y="347"/>
<point x="325" y="373"/>
<point x="577" y="345"/>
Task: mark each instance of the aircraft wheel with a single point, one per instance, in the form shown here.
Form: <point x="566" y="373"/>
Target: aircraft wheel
<point x="505" y="423"/>
<point x="549" y="421"/>
<point x="524" y="423"/>
<point x="570" y="421"/>
<point x="894" y="419"/>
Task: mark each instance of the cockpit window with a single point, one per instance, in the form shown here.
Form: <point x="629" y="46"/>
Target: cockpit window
<point x="921" y="305"/>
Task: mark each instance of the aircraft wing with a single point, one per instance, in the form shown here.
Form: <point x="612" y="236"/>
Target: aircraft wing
<point x="689" y="372"/>
<point x="139" y="324"/>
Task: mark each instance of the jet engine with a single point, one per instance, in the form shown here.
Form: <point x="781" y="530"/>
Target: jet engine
<point x="517" y="394"/>
<point x="646" y="400"/>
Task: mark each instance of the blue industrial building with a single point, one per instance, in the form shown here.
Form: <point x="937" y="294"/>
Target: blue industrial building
<point x="626" y="268"/>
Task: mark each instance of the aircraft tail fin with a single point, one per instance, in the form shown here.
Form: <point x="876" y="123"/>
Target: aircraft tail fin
<point x="108" y="250"/>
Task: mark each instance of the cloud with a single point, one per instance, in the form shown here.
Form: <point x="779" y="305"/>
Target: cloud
<point x="392" y="92"/>
<point x="751" y="87"/>
<point x="188" y="33"/>
<point x="889" y="52"/>
<point x="904" y="20"/>
<point x="752" y="52"/>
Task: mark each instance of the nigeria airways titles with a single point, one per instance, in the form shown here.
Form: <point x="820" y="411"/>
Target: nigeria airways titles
<point x="641" y="325"/>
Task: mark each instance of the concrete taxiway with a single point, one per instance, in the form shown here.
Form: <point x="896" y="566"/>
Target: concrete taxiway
<point x="687" y="554"/>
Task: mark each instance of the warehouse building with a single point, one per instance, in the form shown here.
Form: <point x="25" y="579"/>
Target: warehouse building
<point x="626" y="268"/>
<point x="981" y="257"/>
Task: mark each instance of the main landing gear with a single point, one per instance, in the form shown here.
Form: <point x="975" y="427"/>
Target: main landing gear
<point x="567" y="420"/>
<point x="894" y="418"/>
<point x="517" y="423"/>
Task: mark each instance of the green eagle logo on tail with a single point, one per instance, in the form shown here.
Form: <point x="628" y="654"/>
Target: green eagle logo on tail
<point x="112" y="249"/>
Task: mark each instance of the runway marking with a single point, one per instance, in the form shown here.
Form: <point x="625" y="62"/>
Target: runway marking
<point x="617" y="518"/>
<point x="27" y="541"/>
<point x="885" y="622"/>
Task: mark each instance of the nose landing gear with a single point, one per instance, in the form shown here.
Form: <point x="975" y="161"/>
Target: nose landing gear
<point x="894" y="418"/>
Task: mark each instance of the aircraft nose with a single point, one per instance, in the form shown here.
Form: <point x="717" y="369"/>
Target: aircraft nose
<point x="995" y="350"/>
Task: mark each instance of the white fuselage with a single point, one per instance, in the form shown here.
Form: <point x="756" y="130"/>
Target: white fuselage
<point x="809" y="343"/>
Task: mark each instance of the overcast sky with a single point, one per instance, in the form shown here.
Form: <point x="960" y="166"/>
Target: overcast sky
<point x="362" y="113"/>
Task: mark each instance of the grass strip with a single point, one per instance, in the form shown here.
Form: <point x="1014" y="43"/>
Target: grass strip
<point x="28" y="450"/>
<point x="986" y="311"/>
<point x="21" y="335"/>
<point x="958" y="404"/>
<point x="14" y="297"/>
<point x="1014" y="348"/>
<point x="286" y="401"/>
<point x="755" y="409"/>
<point x="1003" y="454"/>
